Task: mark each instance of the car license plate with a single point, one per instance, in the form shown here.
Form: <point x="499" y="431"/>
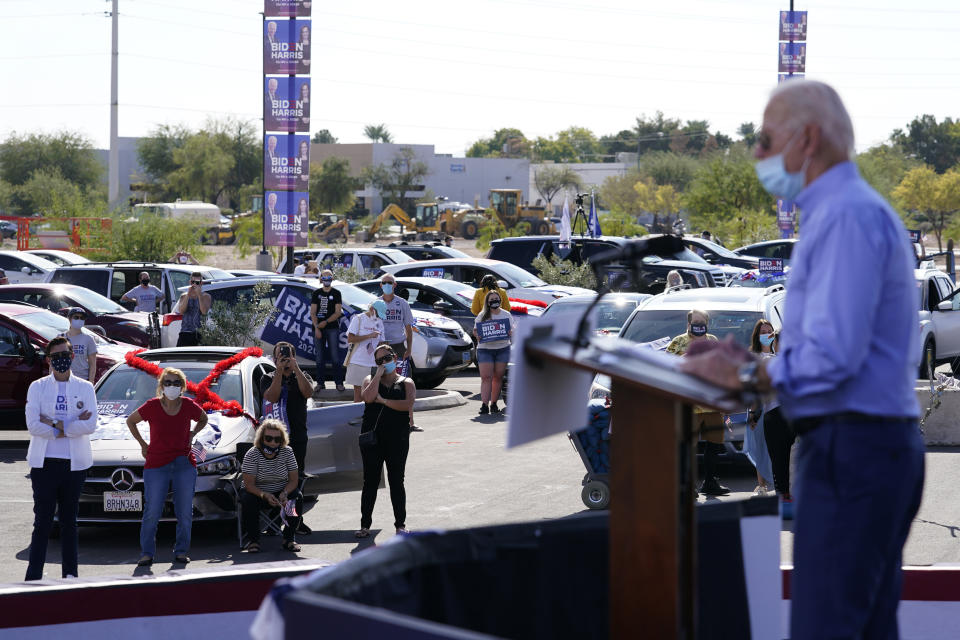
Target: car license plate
<point x="466" y="356"/>
<point x="122" y="501"/>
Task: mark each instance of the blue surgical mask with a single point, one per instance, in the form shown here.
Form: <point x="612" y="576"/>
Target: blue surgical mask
<point x="775" y="178"/>
<point x="390" y="367"/>
<point x="387" y="288"/>
<point x="766" y="339"/>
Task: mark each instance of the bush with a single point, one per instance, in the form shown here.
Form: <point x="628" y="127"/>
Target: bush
<point x="492" y="230"/>
<point x="237" y="324"/>
<point x="151" y="239"/>
<point x="565" y="272"/>
<point x="621" y="224"/>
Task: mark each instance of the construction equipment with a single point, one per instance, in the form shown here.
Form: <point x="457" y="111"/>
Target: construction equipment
<point x="330" y="228"/>
<point x="424" y="225"/>
<point x="510" y="212"/>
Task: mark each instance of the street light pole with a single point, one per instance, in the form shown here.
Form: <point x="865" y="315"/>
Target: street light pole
<point x="113" y="164"/>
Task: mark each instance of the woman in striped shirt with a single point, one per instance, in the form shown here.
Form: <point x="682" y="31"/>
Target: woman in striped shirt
<point x="270" y="479"/>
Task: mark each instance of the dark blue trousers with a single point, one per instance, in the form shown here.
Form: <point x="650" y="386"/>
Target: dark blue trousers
<point x="858" y="489"/>
<point x="56" y="489"/>
<point x="327" y="349"/>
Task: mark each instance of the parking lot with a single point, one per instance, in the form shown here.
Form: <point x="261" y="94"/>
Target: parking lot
<point x="458" y="475"/>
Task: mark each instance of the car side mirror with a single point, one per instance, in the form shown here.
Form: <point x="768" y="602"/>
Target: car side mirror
<point x="949" y="305"/>
<point x="33" y="354"/>
<point x="502" y="284"/>
<point x="97" y="329"/>
<point x="442" y="307"/>
<point x="25" y="270"/>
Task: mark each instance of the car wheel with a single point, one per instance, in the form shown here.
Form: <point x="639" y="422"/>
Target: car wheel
<point x="595" y="494"/>
<point x="541" y="228"/>
<point x="469" y="230"/>
<point x="429" y="383"/>
<point x="928" y="360"/>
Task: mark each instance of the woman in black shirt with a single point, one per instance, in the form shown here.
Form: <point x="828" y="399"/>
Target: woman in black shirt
<point x="388" y="399"/>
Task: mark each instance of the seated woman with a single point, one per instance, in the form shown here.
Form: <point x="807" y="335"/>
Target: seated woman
<point x="270" y="479"/>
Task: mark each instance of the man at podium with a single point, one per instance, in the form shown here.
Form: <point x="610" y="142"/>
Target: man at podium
<point x="846" y="371"/>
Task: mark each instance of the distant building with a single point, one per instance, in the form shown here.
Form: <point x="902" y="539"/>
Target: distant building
<point x="129" y="166"/>
<point x="592" y="174"/>
<point x="466" y="180"/>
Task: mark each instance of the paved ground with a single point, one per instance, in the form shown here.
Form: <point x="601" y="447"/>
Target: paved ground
<point x="458" y="475"/>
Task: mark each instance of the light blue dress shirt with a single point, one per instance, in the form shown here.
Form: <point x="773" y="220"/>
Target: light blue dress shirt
<point x="851" y="334"/>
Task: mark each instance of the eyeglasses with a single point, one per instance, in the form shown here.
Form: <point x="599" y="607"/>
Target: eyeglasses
<point x="273" y="439"/>
<point x="172" y="383"/>
<point x="385" y="359"/>
<point x="196" y="282"/>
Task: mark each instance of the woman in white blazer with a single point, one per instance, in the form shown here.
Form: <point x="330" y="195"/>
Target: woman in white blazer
<point x="61" y="414"/>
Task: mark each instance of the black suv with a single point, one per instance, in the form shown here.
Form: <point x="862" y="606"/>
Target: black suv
<point x="426" y="250"/>
<point x="653" y="269"/>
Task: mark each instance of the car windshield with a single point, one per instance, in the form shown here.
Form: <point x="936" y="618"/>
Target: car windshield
<point x="647" y="326"/>
<point x="608" y="316"/>
<point x="452" y="287"/>
<point x="49" y="325"/>
<point x="216" y="274"/>
<point x="94" y="302"/>
<point x="450" y="252"/>
<point x="133" y="387"/>
<point x="397" y="256"/>
<point x="520" y="277"/>
<point x="685" y="254"/>
<point x="355" y="296"/>
<point x="713" y="246"/>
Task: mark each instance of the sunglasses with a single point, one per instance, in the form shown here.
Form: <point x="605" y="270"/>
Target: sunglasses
<point x="172" y="383"/>
<point x="77" y="317"/>
<point x="273" y="439"/>
<point x="385" y="359"/>
<point x="196" y="282"/>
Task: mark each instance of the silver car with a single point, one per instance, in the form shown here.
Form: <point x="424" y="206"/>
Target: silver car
<point x="113" y="490"/>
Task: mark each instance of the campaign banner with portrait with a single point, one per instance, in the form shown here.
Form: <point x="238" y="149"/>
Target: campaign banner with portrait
<point x="287" y="8"/>
<point x="286" y="162"/>
<point x="286" y="47"/>
<point x="286" y="104"/>
<point x="786" y="217"/>
<point x="793" y="25"/>
<point x="783" y="77"/>
<point x="286" y="218"/>
<point x="793" y="57"/>
<point x="291" y="323"/>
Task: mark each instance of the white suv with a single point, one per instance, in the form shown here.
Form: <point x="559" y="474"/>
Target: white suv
<point x="939" y="318"/>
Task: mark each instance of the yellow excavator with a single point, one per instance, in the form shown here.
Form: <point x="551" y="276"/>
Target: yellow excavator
<point x="330" y="228"/>
<point x="426" y="220"/>
<point x="510" y="211"/>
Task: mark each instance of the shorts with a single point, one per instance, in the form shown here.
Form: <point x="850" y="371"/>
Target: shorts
<point x="356" y="373"/>
<point x="494" y="355"/>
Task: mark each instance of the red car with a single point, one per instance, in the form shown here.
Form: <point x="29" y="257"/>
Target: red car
<point x="24" y="333"/>
<point x="117" y="323"/>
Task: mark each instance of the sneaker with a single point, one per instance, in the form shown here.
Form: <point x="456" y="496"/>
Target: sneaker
<point x="414" y="427"/>
<point x="145" y="561"/>
<point x="484" y="409"/>
<point x="495" y="409"/>
<point x="182" y="558"/>
<point x="712" y="487"/>
<point x="760" y="490"/>
<point x="340" y="387"/>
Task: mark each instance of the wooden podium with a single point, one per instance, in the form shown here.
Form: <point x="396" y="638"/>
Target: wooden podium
<point x="653" y="560"/>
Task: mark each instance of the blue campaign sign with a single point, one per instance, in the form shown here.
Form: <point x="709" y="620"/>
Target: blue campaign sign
<point x="771" y="265"/>
<point x="792" y="57"/>
<point x="286" y="218"/>
<point x="286" y="47"/>
<point x="433" y="272"/>
<point x="287" y="8"/>
<point x="914" y="235"/>
<point x="286" y="104"/>
<point x="292" y="323"/>
<point x="458" y="168"/>
<point x="490" y="330"/>
<point x="286" y="162"/>
<point x="793" y="25"/>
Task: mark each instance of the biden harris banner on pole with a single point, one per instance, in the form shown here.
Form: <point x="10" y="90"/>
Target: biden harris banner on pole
<point x="286" y="162"/>
<point x="792" y="57"/>
<point x="286" y="47"/>
<point x="793" y="25"/>
<point x="287" y="8"/>
<point x="286" y="218"/>
<point x="286" y="104"/>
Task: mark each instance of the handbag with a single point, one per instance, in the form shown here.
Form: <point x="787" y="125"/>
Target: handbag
<point x="350" y="350"/>
<point x="369" y="438"/>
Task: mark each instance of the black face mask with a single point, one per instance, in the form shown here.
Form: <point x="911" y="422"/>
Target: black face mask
<point x="494" y="304"/>
<point x="61" y="362"/>
<point x="270" y="450"/>
<point x="698" y="329"/>
<point x="145" y="281"/>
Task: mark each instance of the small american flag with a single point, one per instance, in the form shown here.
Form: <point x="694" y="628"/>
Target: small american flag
<point x="199" y="452"/>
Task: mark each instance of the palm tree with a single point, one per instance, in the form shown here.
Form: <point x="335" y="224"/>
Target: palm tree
<point x="377" y="133"/>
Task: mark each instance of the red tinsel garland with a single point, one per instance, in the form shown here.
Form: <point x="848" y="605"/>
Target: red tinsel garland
<point x="529" y="303"/>
<point x="206" y="398"/>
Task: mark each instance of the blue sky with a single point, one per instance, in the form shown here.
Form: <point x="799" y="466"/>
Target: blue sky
<point x="447" y="73"/>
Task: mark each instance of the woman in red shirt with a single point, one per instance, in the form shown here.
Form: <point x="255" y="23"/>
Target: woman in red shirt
<point x="168" y="461"/>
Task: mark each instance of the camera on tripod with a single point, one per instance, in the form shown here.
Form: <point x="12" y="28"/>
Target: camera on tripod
<point x="580" y="197"/>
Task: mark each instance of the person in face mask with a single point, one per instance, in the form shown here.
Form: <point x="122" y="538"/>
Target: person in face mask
<point x="168" y="461"/>
<point x="388" y="399"/>
<point x="61" y="413"/>
<point x="270" y="479"/>
<point x="326" y="309"/>
<point x="754" y="441"/>
<point x="845" y="375"/>
<point x="487" y="284"/>
<point x="146" y="297"/>
<point x="696" y="330"/>
<point x="493" y="328"/>
<point x="84" y="346"/>
<point x="397" y="325"/>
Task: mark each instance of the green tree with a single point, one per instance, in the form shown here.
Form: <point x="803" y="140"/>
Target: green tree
<point x="574" y="144"/>
<point x="204" y="168"/>
<point x="155" y="155"/>
<point x="727" y="184"/>
<point x="549" y="180"/>
<point x="744" y="227"/>
<point x="934" y="143"/>
<point x="239" y="322"/>
<point x="620" y="224"/>
<point x="884" y="167"/>
<point x="748" y="132"/>
<point x="377" y="133"/>
<point x="662" y="201"/>
<point x="48" y="193"/>
<point x="655" y="134"/>
<point x="151" y="239"/>
<point x="505" y="143"/>
<point x="666" y="167"/>
<point x="618" y="195"/>
<point x="621" y="142"/>
<point x="69" y="153"/>
<point x="932" y="199"/>
<point x="324" y="137"/>
<point x="492" y="230"/>
<point x="394" y="179"/>
<point x="331" y="187"/>
<point x="565" y="272"/>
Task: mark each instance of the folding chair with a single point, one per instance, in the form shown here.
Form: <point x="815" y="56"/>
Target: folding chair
<point x="271" y="523"/>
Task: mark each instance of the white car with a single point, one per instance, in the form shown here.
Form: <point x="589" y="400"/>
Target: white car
<point x="939" y="319"/>
<point x="519" y="283"/>
<point x="59" y="256"/>
<point x="440" y="345"/>
<point x="367" y="262"/>
<point x="24" y="267"/>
